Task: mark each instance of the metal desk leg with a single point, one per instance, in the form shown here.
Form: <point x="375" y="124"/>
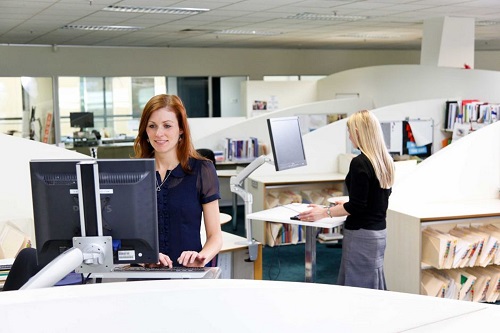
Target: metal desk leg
<point x="310" y="248"/>
<point x="235" y="211"/>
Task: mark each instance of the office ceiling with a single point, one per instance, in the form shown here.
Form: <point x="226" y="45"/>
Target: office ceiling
<point x="269" y="24"/>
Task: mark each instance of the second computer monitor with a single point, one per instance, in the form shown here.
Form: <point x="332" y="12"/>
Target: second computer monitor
<point x="286" y="143"/>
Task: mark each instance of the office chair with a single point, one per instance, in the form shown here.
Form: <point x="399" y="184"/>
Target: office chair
<point x="207" y="153"/>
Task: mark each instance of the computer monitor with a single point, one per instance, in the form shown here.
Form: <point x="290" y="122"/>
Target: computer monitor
<point x="81" y="120"/>
<point x="286" y="143"/>
<point x="127" y="202"/>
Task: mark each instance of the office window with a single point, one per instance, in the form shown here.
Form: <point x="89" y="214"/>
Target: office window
<point x="116" y="102"/>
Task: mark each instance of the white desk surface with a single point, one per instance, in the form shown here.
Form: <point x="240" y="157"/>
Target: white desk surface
<point x="280" y="178"/>
<point x="230" y="242"/>
<point x="449" y="210"/>
<point x="231" y="306"/>
<point x="283" y="213"/>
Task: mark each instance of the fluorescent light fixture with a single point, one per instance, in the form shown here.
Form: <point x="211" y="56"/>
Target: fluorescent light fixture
<point x="156" y="10"/>
<point x="486" y="23"/>
<point x="102" y="27"/>
<point x="369" y="36"/>
<point x="247" y="32"/>
<point x="326" y="17"/>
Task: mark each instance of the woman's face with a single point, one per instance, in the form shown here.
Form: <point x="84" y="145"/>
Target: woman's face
<point x="163" y="130"/>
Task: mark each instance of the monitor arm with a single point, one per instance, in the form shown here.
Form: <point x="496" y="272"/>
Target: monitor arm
<point x="236" y="184"/>
<point x="88" y="254"/>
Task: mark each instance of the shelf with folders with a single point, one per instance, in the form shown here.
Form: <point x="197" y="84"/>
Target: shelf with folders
<point x="425" y="255"/>
<point x="461" y="261"/>
<point x="281" y="234"/>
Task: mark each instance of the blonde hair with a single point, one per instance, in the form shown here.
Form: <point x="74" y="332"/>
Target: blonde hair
<point x="366" y="134"/>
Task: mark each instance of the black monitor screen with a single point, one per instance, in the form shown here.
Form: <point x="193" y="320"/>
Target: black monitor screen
<point x="81" y="119"/>
<point x="128" y="205"/>
<point x="286" y="143"/>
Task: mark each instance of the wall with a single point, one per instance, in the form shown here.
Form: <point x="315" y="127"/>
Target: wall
<point x="278" y="95"/>
<point x="114" y="61"/>
<point x="136" y="61"/>
<point x="202" y="127"/>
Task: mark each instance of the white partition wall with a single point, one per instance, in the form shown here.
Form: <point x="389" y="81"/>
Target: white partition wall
<point x="388" y="85"/>
<point x="15" y="194"/>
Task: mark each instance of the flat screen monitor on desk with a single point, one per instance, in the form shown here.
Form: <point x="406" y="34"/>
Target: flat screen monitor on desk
<point x="81" y="120"/>
<point x="114" y="199"/>
<point x="286" y="143"/>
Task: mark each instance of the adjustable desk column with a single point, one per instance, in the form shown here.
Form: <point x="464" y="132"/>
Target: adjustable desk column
<point x="282" y="214"/>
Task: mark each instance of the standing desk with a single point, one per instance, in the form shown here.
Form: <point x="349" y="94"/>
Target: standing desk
<point x="283" y="213"/>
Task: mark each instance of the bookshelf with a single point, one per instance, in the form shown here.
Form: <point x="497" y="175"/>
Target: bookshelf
<point x="403" y="259"/>
<point x="293" y="188"/>
<point x="462" y="117"/>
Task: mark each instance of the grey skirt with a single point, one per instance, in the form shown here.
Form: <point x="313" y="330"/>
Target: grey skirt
<point x="362" y="263"/>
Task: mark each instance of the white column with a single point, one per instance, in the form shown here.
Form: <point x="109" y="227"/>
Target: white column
<point x="448" y="42"/>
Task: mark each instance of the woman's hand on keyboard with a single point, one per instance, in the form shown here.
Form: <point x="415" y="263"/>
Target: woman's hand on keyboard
<point x="191" y="259"/>
<point x="164" y="261"/>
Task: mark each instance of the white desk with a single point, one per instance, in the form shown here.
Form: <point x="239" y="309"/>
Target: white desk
<point x="282" y="214"/>
<point x="232" y="306"/>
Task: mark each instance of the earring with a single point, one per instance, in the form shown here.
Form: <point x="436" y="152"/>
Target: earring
<point x="147" y="140"/>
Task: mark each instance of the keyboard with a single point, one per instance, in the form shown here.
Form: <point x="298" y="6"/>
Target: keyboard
<point x="166" y="272"/>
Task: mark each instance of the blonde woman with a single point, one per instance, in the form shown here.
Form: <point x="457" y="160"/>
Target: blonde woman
<point x="369" y="182"/>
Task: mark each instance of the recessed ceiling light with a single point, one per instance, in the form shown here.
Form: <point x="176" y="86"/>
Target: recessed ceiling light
<point x="247" y="32"/>
<point x="156" y="10"/>
<point x="326" y="17"/>
<point x="102" y="27"/>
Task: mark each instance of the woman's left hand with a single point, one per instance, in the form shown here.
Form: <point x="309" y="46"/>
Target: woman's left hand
<point x="191" y="259"/>
<point x="316" y="213"/>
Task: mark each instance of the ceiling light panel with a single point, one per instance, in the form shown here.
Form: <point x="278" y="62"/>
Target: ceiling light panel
<point x="156" y="10"/>
<point x="101" y="27"/>
<point x="326" y="17"/>
<point x="247" y="32"/>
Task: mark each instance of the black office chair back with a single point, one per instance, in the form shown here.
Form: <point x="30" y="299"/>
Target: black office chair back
<point x="207" y="153"/>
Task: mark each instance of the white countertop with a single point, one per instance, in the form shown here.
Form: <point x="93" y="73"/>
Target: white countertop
<point x="231" y="306"/>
